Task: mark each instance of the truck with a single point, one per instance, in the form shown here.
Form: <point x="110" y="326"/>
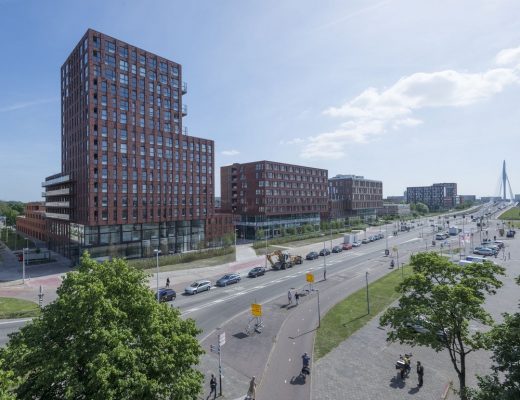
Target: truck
<point x="283" y="260"/>
<point x="349" y="238"/>
<point x="453" y="231"/>
<point x="35" y="257"/>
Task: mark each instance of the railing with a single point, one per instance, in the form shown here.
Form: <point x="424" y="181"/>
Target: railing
<point x="65" y="217"/>
<point x="60" y="179"/>
<point x="184" y="87"/>
<point x="184" y="110"/>
<point x="59" y="192"/>
<point x="64" y="204"/>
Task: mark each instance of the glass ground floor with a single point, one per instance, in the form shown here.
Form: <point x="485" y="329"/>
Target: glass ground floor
<point x="128" y="240"/>
<point x="249" y="227"/>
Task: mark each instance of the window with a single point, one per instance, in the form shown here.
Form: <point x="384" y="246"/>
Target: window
<point x="123" y="105"/>
<point x="123" y="148"/>
<point x="124" y="92"/>
<point x="122" y="118"/>
<point x="110" y="60"/>
<point x="134" y="69"/>
<point x="110" y="74"/>
<point x="123" y="52"/>
<point x="110" y="46"/>
<point x="123" y="65"/>
<point x="142" y="71"/>
<point x="123" y="79"/>
<point x="163" y="78"/>
<point x="151" y="75"/>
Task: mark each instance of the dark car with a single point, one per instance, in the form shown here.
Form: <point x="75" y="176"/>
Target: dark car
<point x="312" y="256"/>
<point x="167" y="295"/>
<point x="324" y="252"/>
<point x="337" y="249"/>
<point x="228" y="279"/>
<point x="256" y="271"/>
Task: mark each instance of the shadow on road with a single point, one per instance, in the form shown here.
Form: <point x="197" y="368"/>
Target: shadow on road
<point x="301" y="334"/>
<point x="240" y="335"/>
<point x="414" y="390"/>
<point x="298" y="380"/>
<point x="397" y="383"/>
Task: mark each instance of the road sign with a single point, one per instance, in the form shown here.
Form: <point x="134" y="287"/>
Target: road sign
<point x="214" y="349"/>
<point x="310" y="277"/>
<point x="256" y="310"/>
<point x="222" y="339"/>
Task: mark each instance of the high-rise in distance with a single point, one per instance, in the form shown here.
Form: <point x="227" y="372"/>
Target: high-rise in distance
<point x="132" y="180"/>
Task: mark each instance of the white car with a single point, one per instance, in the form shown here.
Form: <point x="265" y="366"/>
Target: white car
<point x="356" y="244"/>
<point x="198" y="286"/>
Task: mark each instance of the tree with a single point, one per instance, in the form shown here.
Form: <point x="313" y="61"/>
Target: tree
<point x="504" y="341"/>
<point x="443" y="297"/>
<point x="260" y="234"/>
<point x="6" y="384"/>
<point x="106" y="337"/>
<point x="421" y="208"/>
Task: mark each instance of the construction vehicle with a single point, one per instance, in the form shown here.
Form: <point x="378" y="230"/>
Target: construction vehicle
<point x="282" y="260"/>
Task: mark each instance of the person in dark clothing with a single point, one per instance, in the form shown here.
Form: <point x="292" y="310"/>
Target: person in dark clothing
<point x="167" y="282"/>
<point x="213" y="387"/>
<point x="420" y="372"/>
<point x="296" y="297"/>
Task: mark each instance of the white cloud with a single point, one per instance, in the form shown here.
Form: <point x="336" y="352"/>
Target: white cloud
<point x="508" y="57"/>
<point x="375" y="112"/>
<point x="20" y="106"/>
<point x="293" y="141"/>
<point x="230" y="152"/>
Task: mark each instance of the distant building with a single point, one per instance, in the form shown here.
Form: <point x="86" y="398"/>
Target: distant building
<point x="487" y="199"/>
<point x="33" y="223"/>
<point x="354" y="196"/>
<point x="395" y="199"/>
<point x="271" y="196"/>
<point x="517" y="197"/>
<point x="467" y="198"/>
<point x="439" y="196"/>
<point x="394" y="210"/>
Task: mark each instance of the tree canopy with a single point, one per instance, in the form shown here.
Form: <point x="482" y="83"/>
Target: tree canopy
<point x="438" y="300"/>
<point x="105" y="337"/>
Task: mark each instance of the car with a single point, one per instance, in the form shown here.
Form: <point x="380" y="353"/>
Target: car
<point x="198" y="286"/>
<point x="420" y="326"/>
<point x="484" y="252"/>
<point x="324" y="252"/>
<point x="313" y="255"/>
<point x="167" y="294"/>
<point x="228" y="279"/>
<point x="357" y="243"/>
<point x="499" y="243"/>
<point x="365" y="241"/>
<point x="371" y="238"/>
<point x="256" y="271"/>
<point x="348" y="246"/>
<point x="337" y="249"/>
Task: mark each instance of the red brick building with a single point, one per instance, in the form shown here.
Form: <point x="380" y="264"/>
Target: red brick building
<point x="272" y="196"/>
<point x="33" y="223"/>
<point x="131" y="178"/>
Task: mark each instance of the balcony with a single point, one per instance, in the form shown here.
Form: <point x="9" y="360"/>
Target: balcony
<point x="57" y="204"/>
<point x="64" y="217"/>
<point x="185" y="130"/>
<point x="55" y="181"/>
<point x="184" y="87"/>
<point x="59" y="192"/>
<point x="184" y="110"/>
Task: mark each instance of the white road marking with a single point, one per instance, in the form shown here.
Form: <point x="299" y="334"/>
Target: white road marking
<point x="14" y="321"/>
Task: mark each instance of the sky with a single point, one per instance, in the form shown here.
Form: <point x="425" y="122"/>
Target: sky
<point x="403" y="91"/>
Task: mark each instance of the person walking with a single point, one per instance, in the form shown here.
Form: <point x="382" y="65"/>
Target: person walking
<point x="167" y="282"/>
<point x="296" y="297"/>
<point x="213" y="387"/>
<point x="420" y="373"/>
<point x="289" y="297"/>
<point x="251" y="392"/>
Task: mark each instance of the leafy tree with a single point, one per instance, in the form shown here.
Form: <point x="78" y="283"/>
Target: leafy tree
<point x="260" y="234"/>
<point x="504" y="341"/>
<point x="6" y="384"/>
<point x="421" y="208"/>
<point x="228" y="240"/>
<point x="290" y="231"/>
<point x="443" y="298"/>
<point x="106" y="337"/>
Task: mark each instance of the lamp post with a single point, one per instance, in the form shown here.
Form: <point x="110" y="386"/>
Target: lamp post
<point x="368" y="299"/>
<point x="157" y="251"/>
<point x="235" y="233"/>
<point x="386" y="237"/>
<point x="319" y="314"/>
<point x="330" y="226"/>
<point x="324" y="262"/>
<point x="265" y="234"/>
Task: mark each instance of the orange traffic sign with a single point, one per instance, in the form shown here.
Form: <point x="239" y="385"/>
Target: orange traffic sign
<point x="310" y="277"/>
<point x="256" y="310"/>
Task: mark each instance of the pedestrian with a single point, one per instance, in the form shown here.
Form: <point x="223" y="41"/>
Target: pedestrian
<point x="296" y="297"/>
<point x="420" y="373"/>
<point x="251" y="393"/>
<point x="167" y="282"/>
<point x="289" y="297"/>
<point x="213" y="387"/>
<point x="509" y="255"/>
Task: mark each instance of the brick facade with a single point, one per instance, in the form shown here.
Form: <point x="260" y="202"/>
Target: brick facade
<point x="33" y="223"/>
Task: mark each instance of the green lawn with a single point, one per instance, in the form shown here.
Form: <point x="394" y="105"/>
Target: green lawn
<point x="17" y="308"/>
<point x="511" y="214"/>
<point x="349" y="315"/>
<point x="200" y="263"/>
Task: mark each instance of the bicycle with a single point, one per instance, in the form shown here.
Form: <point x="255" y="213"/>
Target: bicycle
<point x="255" y="325"/>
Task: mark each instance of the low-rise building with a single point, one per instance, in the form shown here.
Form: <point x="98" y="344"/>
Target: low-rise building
<point x="467" y="198"/>
<point x="354" y="196"/>
<point x="268" y="196"/>
<point x="394" y="210"/>
<point x="33" y="223"/>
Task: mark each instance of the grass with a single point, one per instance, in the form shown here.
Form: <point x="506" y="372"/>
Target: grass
<point x="13" y="240"/>
<point x="349" y="315"/>
<point x="511" y="214"/>
<point x="186" y="260"/>
<point x="17" y="308"/>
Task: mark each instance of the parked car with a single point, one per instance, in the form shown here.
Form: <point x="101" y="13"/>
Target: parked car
<point x="348" y="246"/>
<point x="365" y="241"/>
<point x="356" y="243"/>
<point x="499" y="243"/>
<point x="420" y="326"/>
<point x="324" y="252"/>
<point x="485" y="252"/>
<point x="228" y="279"/>
<point x="198" y="286"/>
<point x="337" y="249"/>
<point x="256" y="271"/>
<point x="313" y="255"/>
<point x="167" y="295"/>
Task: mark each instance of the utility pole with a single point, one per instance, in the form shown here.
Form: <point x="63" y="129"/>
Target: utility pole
<point x="368" y="300"/>
<point x="324" y="262"/>
<point x="319" y="314"/>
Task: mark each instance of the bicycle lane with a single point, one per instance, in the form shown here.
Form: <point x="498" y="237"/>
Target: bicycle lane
<point x="296" y="336"/>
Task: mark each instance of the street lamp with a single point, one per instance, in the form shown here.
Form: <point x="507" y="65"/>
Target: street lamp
<point x="157" y="251"/>
<point x="324" y="262"/>
<point x="265" y="234"/>
<point x="330" y="226"/>
<point x="23" y="259"/>
<point x="319" y="314"/>
<point x="368" y="300"/>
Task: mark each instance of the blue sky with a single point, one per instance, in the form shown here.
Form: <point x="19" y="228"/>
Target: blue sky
<point x="403" y="91"/>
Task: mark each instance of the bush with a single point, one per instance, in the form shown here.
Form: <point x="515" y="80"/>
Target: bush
<point x="146" y="263"/>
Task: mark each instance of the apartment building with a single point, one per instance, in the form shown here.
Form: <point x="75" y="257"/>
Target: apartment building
<point x="439" y="196"/>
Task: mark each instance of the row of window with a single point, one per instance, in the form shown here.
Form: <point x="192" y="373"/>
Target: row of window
<point x="166" y="189"/>
<point x="144" y="203"/>
<point x="293" y="185"/>
<point x="287" y="177"/>
<point x="290" y="168"/>
<point x="145" y="214"/>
